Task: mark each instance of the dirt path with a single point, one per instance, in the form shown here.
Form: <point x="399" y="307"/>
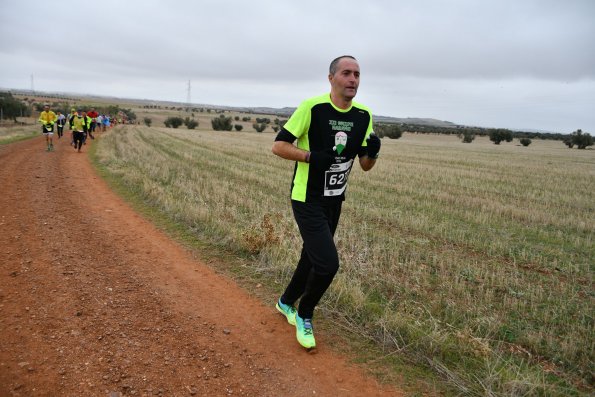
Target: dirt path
<point x="95" y="301"/>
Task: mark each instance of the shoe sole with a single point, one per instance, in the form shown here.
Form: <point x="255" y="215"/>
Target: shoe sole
<point x="289" y="320"/>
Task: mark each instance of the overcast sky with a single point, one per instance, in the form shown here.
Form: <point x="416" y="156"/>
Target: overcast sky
<point x="520" y="64"/>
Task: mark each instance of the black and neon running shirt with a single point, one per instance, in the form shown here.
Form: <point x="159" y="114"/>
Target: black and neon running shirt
<point x="319" y="125"/>
<point x="78" y="123"/>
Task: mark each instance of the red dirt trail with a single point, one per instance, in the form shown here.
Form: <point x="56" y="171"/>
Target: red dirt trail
<point x="96" y="301"/>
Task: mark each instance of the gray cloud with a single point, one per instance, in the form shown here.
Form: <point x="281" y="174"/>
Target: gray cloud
<point x="506" y="63"/>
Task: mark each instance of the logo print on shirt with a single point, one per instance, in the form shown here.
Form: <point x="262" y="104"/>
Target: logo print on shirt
<point x="340" y="141"/>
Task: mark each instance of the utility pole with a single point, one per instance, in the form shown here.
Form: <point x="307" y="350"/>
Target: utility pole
<point x="32" y="85"/>
<point x="188" y="97"/>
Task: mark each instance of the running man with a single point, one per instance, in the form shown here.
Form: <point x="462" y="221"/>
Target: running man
<point x="93" y="115"/>
<point x="47" y="118"/>
<point x="99" y="122"/>
<point x="106" y="122"/>
<point x="72" y="114"/>
<point x="331" y="130"/>
<point x="60" y="123"/>
<point x="88" y="126"/>
<point x="79" y="129"/>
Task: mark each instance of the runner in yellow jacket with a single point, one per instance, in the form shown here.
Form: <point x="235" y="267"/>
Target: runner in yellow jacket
<point x="47" y="118"/>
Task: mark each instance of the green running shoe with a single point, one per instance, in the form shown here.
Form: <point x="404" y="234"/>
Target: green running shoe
<point x="305" y="332"/>
<point x="287" y="310"/>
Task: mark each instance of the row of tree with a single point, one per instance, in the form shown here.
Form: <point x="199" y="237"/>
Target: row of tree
<point x="11" y="108"/>
<point x="175" y="122"/>
<point x="479" y="131"/>
<point x="384" y="130"/>
<point x="578" y="138"/>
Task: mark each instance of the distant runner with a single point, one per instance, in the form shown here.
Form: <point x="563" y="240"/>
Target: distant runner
<point x="47" y="118"/>
<point x="331" y="130"/>
<point x="72" y="114"/>
<point x="60" y="123"/>
<point x="99" y="122"/>
<point x="88" y="126"/>
<point x="106" y="122"/>
<point x="79" y="129"/>
<point x="93" y="116"/>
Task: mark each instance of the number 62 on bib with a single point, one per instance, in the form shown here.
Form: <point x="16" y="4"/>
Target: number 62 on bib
<point x="335" y="179"/>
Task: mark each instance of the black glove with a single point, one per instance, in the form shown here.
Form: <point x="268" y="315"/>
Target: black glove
<point x="373" y="146"/>
<point x="322" y="160"/>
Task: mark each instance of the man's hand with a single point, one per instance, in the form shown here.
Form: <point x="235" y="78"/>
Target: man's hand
<point x="373" y="146"/>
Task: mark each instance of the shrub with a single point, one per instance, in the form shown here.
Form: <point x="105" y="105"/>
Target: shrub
<point x="147" y="121"/>
<point x="499" y="134"/>
<point x="525" y="141"/>
<point x="130" y="115"/>
<point x="222" y="123"/>
<point x="190" y="123"/>
<point x="392" y="131"/>
<point x="259" y="127"/>
<point x="580" y="139"/>
<point x="238" y="127"/>
<point x="173" y="122"/>
<point x="467" y="136"/>
<point x="246" y="118"/>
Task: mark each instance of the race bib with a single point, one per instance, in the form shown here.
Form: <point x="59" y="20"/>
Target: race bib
<point x="335" y="179"/>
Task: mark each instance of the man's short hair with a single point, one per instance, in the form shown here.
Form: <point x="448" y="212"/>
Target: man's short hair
<point x="333" y="67"/>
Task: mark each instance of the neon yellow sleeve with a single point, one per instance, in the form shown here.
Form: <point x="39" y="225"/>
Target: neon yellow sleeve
<point x="299" y="121"/>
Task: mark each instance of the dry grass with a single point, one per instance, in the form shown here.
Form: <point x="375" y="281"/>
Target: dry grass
<point x="475" y="260"/>
<point x="14" y="132"/>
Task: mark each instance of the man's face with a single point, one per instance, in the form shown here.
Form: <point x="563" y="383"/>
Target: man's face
<point x="345" y="81"/>
<point x="46" y="108"/>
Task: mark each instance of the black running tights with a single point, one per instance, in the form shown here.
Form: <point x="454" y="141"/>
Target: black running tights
<point x="319" y="260"/>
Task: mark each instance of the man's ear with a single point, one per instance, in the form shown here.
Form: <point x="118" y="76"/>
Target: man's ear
<point x="330" y="78"/>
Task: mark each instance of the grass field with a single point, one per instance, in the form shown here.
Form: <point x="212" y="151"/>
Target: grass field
<point x="472" y="261"/>
<point x="10" y="133"/>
